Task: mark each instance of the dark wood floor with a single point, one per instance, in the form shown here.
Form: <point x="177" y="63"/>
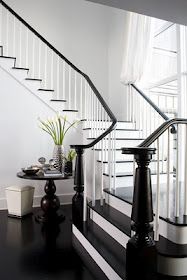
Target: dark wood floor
<point x="29" y="251"/>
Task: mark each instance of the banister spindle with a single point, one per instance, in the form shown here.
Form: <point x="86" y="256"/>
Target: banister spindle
<point x="14" y="37"/>
<point x="52" y="69"/>
<point x="168" y="175"/>
<point x="75" y="95"/>
<point x="81" y="92"/>
<point x="39" y="58"/>
<point x="33" y="56"/>
<point x="1" y="25"/>
<point x="64" y="81"/>
<point x="20" y="44"/>
<point x="140" y="250"/>
<point x="7" y="32"/>
<point x="58" y="79"/>
<point x="69" y="98"/>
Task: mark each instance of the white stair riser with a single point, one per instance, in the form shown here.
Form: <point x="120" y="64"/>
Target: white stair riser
<point x="120" y="125"/>
<point x="176" y="234"/>
<point x="32" y="84"/>
<point x="128" y="180"/>
<point x="46" y="96"/>
<point x="128" y="167"/>
<point x="100" y="261"/>
<point x="19" y="74"/>
<point x="118" y="133"/>
<point x="166" y="265"/>
<point x="121" y="143"/>
<point x="119" y="156"/>
<point x="58" y="106"/>
<point x="7" y="63"/>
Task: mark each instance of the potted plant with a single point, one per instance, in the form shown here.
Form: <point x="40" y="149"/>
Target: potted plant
<point x="57" y="128"/>
<point x="69" y="162"/>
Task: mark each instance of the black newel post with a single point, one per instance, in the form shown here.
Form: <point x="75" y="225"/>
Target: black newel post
<point x="78" y="199"/>
<point x="141" y="251"/>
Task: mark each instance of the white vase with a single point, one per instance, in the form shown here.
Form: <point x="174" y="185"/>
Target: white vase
<point x="58" y="157"/>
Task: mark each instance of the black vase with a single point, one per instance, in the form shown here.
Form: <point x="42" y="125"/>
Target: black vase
<point x="69" y="168"/>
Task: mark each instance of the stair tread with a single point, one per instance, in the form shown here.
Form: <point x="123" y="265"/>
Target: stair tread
<point x="69" y="110"/>
<point x="11" y="57"/>
<point x="164" y="246"/>
<point x="127" y="174"/>
<point x="128" y="161"/>
<point x="58" y="100"/>
<point x="45" y="89"/>
<point x="115" y="217"/>
<point x="33" y="79"/>
<point x="20" y="68"/>
<point x="117" y="129"/>
<point x="131" y="138"/>
<point x="126" y="194"/>
<point x="113" y="253"/>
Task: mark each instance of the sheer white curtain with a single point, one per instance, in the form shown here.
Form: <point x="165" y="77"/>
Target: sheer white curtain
<point x="137" y="48"/>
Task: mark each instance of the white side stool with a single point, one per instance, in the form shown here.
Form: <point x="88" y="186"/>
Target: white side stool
<point x="19" y="200"/>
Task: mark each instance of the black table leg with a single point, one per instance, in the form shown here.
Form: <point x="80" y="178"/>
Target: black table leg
<point x="50" y="205"/>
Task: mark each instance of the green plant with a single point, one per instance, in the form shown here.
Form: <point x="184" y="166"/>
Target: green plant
<point x="57" y="127"/>
<point x="71" y="155"/>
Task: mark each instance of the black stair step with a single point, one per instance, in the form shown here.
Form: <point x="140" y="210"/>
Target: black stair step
<point x="20" y="68"/>
<point x="164" y="246"/>
<point x="69" y="110"/>
<point x="127" y="174"/>
<point x="121" y="139"/>
<point x="33" y="79"/>
<point x="10" y="57"/>
<point x="127" y="161"/>
<point x="88" y="261"/>
<point x="115" y="217"/>
<point x="45" y="89"/>
<point x="113" y="253"/>
<point x="58" y="100"/>
<point x="117" y="129"/>
<point x="126" y="194"/>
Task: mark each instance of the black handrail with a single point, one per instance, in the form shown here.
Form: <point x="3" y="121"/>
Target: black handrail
<point x="150" y="102"/>
<point x="160" y="130"/>
<point x="154" y="106"/>
<point x="96" y="92"/>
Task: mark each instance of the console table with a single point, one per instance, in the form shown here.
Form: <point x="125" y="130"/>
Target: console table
<point x="50" y="203"/>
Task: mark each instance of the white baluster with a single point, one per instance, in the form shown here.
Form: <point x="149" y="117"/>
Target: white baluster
<point x="7" y="32"/>
<point x="39" y="58"/>
<point x="157" y="210"/>
<point x="93" y="181"/>
<point x="33" y="56"/>
<point x="168" y="176"/>
<point x="1" y="25"/>
<point x="14" y="37"/>
<point x="69" y="99"/>
<point x="101" y="200"/>
<point x="185" y="174"/>
<point x="109" y="161"/>
<point x="64" y="80"/>
<point x="27" y="48"/>
<point x="58" y="79"/>
<point x="114" y="158"/>
<point x="20" y="44"/>
<point x="52" y="68"/>
<point x="177" y="195"/>
<point x="75" y="105"/>
<point x="80" y="108"/>
<point x="45" y="67"/>
<point x="85" y="191"/>
<point x="85" y="94"/>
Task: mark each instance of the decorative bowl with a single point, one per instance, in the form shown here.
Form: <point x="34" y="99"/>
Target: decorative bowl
<point x="30" y="170"/>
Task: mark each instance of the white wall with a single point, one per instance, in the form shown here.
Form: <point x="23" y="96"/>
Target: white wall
<point x="22" y="141"/>
<point x="78" y="29"/>
<point x="115" y="55"/>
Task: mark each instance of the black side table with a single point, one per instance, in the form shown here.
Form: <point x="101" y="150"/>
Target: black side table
<point x="50" y="203"/>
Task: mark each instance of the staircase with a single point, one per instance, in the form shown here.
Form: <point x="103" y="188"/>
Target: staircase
<point x="102" y="215"/>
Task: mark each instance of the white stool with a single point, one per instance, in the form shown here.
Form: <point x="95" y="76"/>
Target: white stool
<point x="19" y="200"/>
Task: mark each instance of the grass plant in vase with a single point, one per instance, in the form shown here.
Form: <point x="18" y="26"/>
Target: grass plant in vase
<point x="57" y="128"/>
<point x="69" y="162"/>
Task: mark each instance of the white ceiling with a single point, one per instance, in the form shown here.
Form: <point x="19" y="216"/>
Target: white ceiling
<point x="170" y="10"/>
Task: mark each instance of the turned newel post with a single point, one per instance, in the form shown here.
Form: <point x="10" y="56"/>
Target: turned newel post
<point x="78" y="199"/>
<point x="141" y="252"/>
